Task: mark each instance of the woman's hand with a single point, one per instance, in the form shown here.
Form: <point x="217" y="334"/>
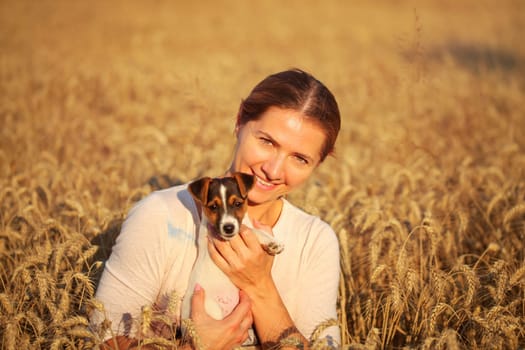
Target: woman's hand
<point x="212" y="334"/>
<point x="249" y="267"/>
<point x="243" y="260"/>
<point x="223" y="334"/>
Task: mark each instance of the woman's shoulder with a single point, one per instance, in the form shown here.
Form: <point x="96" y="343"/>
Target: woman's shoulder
<point x="292" y="214"/>
<point x="161" y="216"/>
<point x="304" y="222"/>
<point x="176" y="199"/>
<point x="307" y="235"/>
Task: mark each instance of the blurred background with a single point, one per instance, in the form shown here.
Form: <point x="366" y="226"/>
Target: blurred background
<point x="102" y="102"/>
<point x="179" y="67"/>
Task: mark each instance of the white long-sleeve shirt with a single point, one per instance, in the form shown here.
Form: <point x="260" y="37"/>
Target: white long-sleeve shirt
<point x="156" y="249"/>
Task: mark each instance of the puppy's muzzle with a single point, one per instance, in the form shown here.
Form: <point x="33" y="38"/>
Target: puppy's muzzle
<point x="228" y="229"/>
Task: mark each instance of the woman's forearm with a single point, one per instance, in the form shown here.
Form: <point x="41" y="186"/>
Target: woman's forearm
<point x="275" y="328"/>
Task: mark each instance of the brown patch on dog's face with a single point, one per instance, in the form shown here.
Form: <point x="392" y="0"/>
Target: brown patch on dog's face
<point x="244" y="183"/>
<point x="199" y="189"/>
<point x="213" y="210"/>
<point x="239" y="206"/>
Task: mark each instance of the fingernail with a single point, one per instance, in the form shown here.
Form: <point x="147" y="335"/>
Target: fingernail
<point x="198" y="287"/>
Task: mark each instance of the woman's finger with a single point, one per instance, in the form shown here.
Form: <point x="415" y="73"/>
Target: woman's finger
<point x="217" y="257"/>
<point x="253" y="246"/>
<point x="242" y="310"/>
<point x="249" y="238"/>
<point x="238" y="245"/>
<point x="197" y="302"/>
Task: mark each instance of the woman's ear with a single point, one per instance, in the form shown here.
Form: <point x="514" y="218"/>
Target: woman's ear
<point x="238" y="122"/>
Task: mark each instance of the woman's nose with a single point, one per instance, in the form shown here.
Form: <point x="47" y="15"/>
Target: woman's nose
<point x="273" y="167"/>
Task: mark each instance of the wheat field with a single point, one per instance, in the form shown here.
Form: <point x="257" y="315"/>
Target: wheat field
<point x="103" y="102"/>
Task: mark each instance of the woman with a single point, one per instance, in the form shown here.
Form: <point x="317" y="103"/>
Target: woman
<point x="285" y="128"/>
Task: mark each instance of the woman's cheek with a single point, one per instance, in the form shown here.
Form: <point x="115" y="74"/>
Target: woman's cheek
<point x="257" y="154"/>
<point x="296" y="177"/>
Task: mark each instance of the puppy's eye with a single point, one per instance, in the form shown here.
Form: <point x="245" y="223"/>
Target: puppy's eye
<point x="213" y="207"/>
<point x="237" y="204"/>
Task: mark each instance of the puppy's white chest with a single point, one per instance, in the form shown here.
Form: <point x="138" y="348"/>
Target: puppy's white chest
<point x="221" y="295"/>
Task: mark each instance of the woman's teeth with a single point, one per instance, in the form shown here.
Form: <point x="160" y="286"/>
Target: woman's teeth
<point x="262" y="182"/>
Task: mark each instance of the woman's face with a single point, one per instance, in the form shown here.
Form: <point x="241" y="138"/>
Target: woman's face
<point x="281" y="148"/>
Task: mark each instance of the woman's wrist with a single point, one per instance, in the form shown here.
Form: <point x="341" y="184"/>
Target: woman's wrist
<point x="276" y="329"/>
<point x="289" y="338"/>
<point x="264" y="291"/>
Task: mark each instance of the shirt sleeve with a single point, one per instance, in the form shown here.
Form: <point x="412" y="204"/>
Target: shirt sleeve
<point x="133" y="273"/>
<point x="320" y="284"/>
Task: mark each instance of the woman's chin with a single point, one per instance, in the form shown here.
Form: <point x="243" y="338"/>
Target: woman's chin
<point x="256" y="198"/>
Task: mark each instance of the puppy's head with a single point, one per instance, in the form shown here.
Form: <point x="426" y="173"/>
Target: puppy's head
<point x="224" y="201"/>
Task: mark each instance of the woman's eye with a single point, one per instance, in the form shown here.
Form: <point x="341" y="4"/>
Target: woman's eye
<point x="266" y="141"/>
<point x="301" y="160"/>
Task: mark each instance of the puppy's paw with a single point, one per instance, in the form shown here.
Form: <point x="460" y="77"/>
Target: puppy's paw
<point x="273" y="247"/>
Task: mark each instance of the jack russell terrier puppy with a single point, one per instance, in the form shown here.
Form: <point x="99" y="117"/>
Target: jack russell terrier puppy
<point x="224" y="202"/>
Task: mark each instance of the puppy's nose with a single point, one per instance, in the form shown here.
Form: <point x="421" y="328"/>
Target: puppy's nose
<point x="228" y="228"/>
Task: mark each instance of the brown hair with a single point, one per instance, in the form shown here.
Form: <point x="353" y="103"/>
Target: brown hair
<point x="300" y="91"/>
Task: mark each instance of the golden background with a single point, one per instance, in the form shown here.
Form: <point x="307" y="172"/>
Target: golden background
<point x="103" y="102"/>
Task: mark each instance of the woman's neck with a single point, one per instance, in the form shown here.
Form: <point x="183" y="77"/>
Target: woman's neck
<point x="266" y="213"/>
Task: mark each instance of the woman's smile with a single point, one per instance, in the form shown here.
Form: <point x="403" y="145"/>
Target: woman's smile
<point x="264" y="185"/>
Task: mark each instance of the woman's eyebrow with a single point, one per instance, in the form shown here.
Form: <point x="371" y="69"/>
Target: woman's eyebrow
<point x="266" y="135"/>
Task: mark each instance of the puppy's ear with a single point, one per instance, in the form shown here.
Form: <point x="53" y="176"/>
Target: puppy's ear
<point x="199" y="189"/>
<point x="245" y="183"/>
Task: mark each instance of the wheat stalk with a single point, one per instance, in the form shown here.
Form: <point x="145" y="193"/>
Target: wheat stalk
<point x="6" y="304"/>
<point x="344" y="246"/>
<point x="42" y="282"/>
<point x="402" y="263"/>
<point x="79" y="332"/>
<point x="502" y="285"/>
<point x="472" y="284"/>
<point x="59" y="343"/>
<point x="512" y="215"/>
<point x="378" y="271"/>
<point x="412" y="279"/>
<point x="321" y="327"/>
<point x="397" y="298"/>
<point x="342" y="308"/>
<point x="146" y="319"/>
<point x="373" y="339"/>
<point x="448" y="340"/>
<point x="518" y="277"/>
<point x="10" y="336"/>
<point x="436" y="312"/>
<point x="191" y="334"/>
<point x="174" y="302"/>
